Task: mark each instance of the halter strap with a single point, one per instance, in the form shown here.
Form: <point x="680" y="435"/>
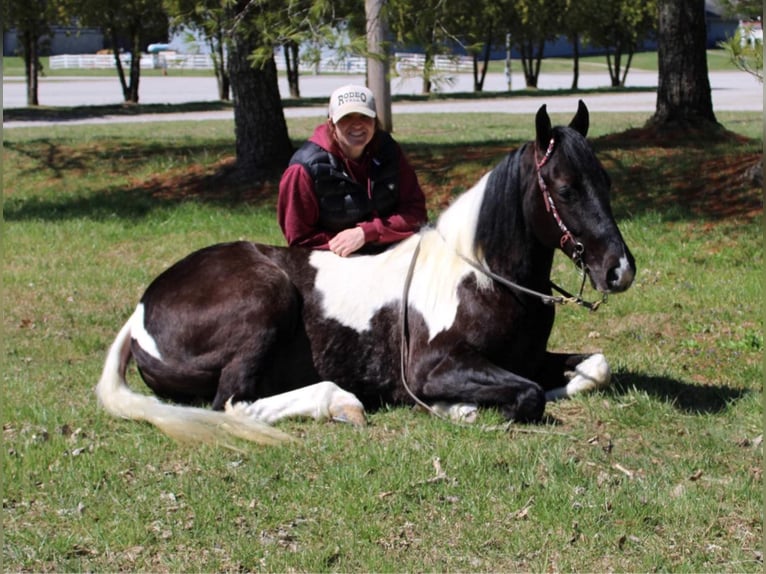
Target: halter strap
<point x="550" y="207"/>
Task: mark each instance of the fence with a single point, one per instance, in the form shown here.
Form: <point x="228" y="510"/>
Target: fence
<point x="148" y="61"/>
<point x="405" y="64"/>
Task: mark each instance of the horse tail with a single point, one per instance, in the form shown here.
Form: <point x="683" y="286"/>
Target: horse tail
<point x="183" y="423"/>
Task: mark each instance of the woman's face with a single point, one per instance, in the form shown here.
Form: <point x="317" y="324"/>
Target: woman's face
<point x="353" y="132"/>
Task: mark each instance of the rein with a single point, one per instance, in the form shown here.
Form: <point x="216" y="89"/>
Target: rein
<point x="405" y="333"/>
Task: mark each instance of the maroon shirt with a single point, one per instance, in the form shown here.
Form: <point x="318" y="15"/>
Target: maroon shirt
<point x="298" y="207"/>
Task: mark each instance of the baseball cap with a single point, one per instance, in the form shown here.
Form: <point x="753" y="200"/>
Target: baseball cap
<point x="351" y="99"/>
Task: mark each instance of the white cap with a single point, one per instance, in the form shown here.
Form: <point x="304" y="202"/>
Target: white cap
<point x="351" y="99"/>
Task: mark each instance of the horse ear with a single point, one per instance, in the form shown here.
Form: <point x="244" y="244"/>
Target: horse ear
<point x="581" y="121"/>
<point x="543" y="127"/>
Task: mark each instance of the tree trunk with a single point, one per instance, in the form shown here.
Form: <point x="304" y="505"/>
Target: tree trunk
<point x="263" y="146"/>
<point x="218" y="55"/>
<point x="683" y="91"/>
<point x="480" y="75"/>
<point x="576" y="60"/>
<point x="613" y="63"/>
<point x="135" y="64"/>
<point x="31" y="67"/>
<point x="118" y="61"/>
<point x="428" y="70"/>
<point x="292" y="62"/>
<point x="379" y="62"/>
<point x="531" y="59"/>
<point x="626" y="68"/>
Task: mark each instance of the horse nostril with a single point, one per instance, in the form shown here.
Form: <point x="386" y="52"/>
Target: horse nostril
<point x="613" y="277"/>
<point x="620" y="277"/>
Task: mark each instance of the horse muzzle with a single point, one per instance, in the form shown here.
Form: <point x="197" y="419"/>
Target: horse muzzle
<point x="615" y="276"/>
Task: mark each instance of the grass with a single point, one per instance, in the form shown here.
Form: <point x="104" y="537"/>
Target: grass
<point x="662" y="471"/>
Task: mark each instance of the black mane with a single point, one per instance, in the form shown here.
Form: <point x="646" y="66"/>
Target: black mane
<point x="500" y="226"/>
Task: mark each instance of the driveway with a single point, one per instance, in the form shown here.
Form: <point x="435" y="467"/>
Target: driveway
<point x="730" y="91"/>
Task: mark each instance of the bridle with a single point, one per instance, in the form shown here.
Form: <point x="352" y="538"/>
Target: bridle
<point x="578" y="249"/>
<point x="550" y="207"/>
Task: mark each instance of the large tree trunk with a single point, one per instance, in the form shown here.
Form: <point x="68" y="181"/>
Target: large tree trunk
<point x="262" y="143"/>
<point x="683" y="93"/>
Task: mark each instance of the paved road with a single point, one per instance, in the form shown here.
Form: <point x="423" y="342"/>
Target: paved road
<point x="731" y="91"/>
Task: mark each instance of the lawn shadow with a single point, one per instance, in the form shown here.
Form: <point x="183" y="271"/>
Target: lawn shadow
<point x="686" y="397"/>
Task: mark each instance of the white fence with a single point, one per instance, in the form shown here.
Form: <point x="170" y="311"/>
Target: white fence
<point x="412" y="64"/>
<point x="405" y="64"/>
<point x="148" y="61"/>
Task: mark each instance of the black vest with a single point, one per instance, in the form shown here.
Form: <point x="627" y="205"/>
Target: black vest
<point x="344" y="202"/>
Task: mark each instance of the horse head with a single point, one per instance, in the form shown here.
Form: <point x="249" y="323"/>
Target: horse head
<point x="571" y="208"/>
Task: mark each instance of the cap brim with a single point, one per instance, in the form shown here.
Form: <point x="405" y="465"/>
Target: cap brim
<point x="343" y="111"/>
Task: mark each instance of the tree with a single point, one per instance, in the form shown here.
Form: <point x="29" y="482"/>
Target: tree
<point x="745" y="51"/>
<point x="263" y="146"/>
<point x="620" y="26"/>
<point x="210" y="18"/>
<point x="32" y="20"/>
<point x="683" y="93"/>
<point x="745" y="54"/>
<point x="427" y="26"/>
<point x="531" y="23"/>
<point x="479" y="33"/>
<point x="138" y="22"/>
<point x="575" y="23"/>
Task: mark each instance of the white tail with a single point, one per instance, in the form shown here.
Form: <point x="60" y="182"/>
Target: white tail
<point x="185" y="424"/>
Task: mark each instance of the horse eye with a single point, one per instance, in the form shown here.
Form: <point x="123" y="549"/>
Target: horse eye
<point x="565" y="192"/>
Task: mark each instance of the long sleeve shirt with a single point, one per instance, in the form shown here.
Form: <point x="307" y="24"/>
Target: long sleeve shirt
<point x="298" y="206"/>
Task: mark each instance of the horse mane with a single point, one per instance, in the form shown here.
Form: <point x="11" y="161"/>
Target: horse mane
<point x="501" y="214"/>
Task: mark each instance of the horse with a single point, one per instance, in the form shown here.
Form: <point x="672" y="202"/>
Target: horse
<point x="237" y="336"/>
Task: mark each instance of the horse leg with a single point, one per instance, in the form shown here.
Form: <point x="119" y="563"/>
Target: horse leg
<point x="468" y="378"/>
<point x="565" y="375"/>
<point x="320" y="401"/>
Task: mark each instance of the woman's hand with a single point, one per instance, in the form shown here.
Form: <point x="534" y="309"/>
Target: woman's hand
<point x="347" y="241"/>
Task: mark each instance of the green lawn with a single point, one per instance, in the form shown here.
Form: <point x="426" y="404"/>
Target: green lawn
<point x="660" y="472"/>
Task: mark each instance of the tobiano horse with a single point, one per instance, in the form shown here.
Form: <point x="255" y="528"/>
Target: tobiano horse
<point x="456" y="317"/>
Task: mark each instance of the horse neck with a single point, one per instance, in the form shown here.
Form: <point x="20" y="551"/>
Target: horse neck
<point x="504" y="236"/>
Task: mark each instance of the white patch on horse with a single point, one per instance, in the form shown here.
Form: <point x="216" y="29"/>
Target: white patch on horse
<point x="625" y="272"/>
<point x="141" y="335"/>
<point x="591" y="374"/>
<point x="355" y="288"/>
<point x="320" y="401"/>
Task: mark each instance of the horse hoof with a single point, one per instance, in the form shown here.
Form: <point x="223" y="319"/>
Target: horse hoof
<point x="458" y="412"/>
<point x="591" y="374"/>
<point x="350" y="415"/>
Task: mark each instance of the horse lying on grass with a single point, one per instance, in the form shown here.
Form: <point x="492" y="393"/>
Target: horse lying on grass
<point x="454" y="318"/>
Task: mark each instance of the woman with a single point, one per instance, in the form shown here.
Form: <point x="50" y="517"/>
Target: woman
<point x="350" y="188"/>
